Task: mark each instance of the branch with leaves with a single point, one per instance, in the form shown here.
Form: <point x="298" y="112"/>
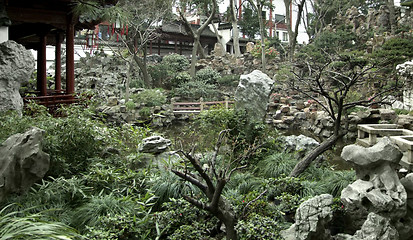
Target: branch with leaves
<point x="212" y="178"/>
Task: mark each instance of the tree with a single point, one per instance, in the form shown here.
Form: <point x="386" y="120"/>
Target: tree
<point x="338" y="82"/>
<point x="139" y="20"/>
<point x="235" y="31"/>
<point x="249" y="24"/>
<point x="211" y="180"/>
<point x="292" y="34"/>
<point x="209" y="7"/>
<point x="258" y="6"/>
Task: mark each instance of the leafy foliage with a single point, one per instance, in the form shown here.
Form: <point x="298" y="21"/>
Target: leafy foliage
<point x="150" y="97"/>
<point x="194" y="90"/>
<point x="19" y="225"/>
<point x="175" y="62"/>
<point x="207" y="75"/>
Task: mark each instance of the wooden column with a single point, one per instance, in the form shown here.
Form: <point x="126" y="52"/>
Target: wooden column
<point x="41" y="66"/>
<point x="159" y="47"/>
<point x="176" y="46"/>
<point x="58" y="62"/>
<point x="150" y="47"/>
<point x="70" y="56"/>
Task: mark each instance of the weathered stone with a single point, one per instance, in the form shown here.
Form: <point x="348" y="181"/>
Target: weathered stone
<point x="249" y="47"/>
<point x="112" y="101"/>
<point x="388" y="114"/>
<point x="285" y="109"/>
<point x="16" y="66"/>
<point x="154" y="144"/>
<point x="22" y="162"/>
<point x="300" y="143"/>
<point x="253" y="93"/>
<point x="378" y="188"/>
<point x="377" y="227"/>
<point x="363" y="157"/>
<point x="312" y="218"/>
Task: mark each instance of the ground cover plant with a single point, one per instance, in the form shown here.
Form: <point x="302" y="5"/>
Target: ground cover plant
<point x="92" y="194"/>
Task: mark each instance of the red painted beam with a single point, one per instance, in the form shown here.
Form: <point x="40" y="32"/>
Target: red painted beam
<point x="58" y="62"/>
<point x="70" y="56"/>
<point x="41" y="67"/>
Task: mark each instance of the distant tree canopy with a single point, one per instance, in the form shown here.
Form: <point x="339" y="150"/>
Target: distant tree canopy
<point x="249" y="23"/>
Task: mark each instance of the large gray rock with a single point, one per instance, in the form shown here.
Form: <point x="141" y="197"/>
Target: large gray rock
<point x="154" y="144"/>
<point x="375" y="227"/>
<point x="312" y="218"/>
<point x="252" y="94"/>
<point x="16" y="66"/>
<point x="300" y="143"/>
<point x="22" y="162"/>
<point x="378" y="188"/>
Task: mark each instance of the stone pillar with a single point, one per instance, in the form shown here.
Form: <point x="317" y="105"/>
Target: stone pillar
<point x="58" y="62"/>
<point x="41" y="66"/>
<point x="70" y="56"/>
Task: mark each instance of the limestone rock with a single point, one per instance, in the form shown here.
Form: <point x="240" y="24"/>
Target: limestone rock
<point x="383" y="151"/>
<point x="16" y="66"/>
<point x="22" y="162"/>
<point x="378" y="188"/>
<point x="300" y="143"/>
<point x="249" y="47"/>
<point x="252" y="94"/>
<point x="377" y="227"/>
<point x="154" y="144"/>
<point x="312" y="217"/>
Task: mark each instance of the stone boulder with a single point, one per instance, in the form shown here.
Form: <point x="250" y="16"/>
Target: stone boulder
<point x="252" y="94"/>
<point x="22" y="162"/>
<point x="16" y="66"/>
<point x="312" y="219"/>
<point x="378" y="188"/>
<point x="154" y="144"/>
<point x="300" y="143"/>
<point x="375" y="227"/>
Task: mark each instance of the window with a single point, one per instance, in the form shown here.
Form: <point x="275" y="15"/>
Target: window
<point x="277" y="33"/>
<point x="285" y="36"/>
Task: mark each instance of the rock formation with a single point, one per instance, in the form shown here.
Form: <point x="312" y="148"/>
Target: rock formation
<point x="16" y="66"/>
<point x="22" y="162"/>
<point x="312" y="219"/>
<point x="154" y="144"/>
<point x="378" y="188"/>
<point x="376" y="206"/>
<point x="252" y="94"/>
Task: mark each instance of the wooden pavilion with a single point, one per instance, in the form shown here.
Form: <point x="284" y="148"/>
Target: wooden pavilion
<point x="37" y="23"/>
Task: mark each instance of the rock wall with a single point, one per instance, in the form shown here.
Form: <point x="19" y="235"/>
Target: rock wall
<point x="16" y="66"/>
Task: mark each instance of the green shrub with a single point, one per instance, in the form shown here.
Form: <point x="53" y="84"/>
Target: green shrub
<point x="194" y="90"/>
<point x="207" y="75"/>
<point x="145" y="113"/>
<point x="130" y="105"/>
<point x="176" y="62"/>
<point x="229" y="80"/>
<point x="179" y="79"/>
<point x="178" y="215"/>
<point x="160" y="74"/>
<point x="259" y="227"/>
<point x="150" y="97"/>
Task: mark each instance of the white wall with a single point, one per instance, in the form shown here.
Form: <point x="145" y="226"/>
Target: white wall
<point x="4" y="34"/>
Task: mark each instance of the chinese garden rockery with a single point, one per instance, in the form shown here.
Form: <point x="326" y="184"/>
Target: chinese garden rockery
<point x="376" y="206"/>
